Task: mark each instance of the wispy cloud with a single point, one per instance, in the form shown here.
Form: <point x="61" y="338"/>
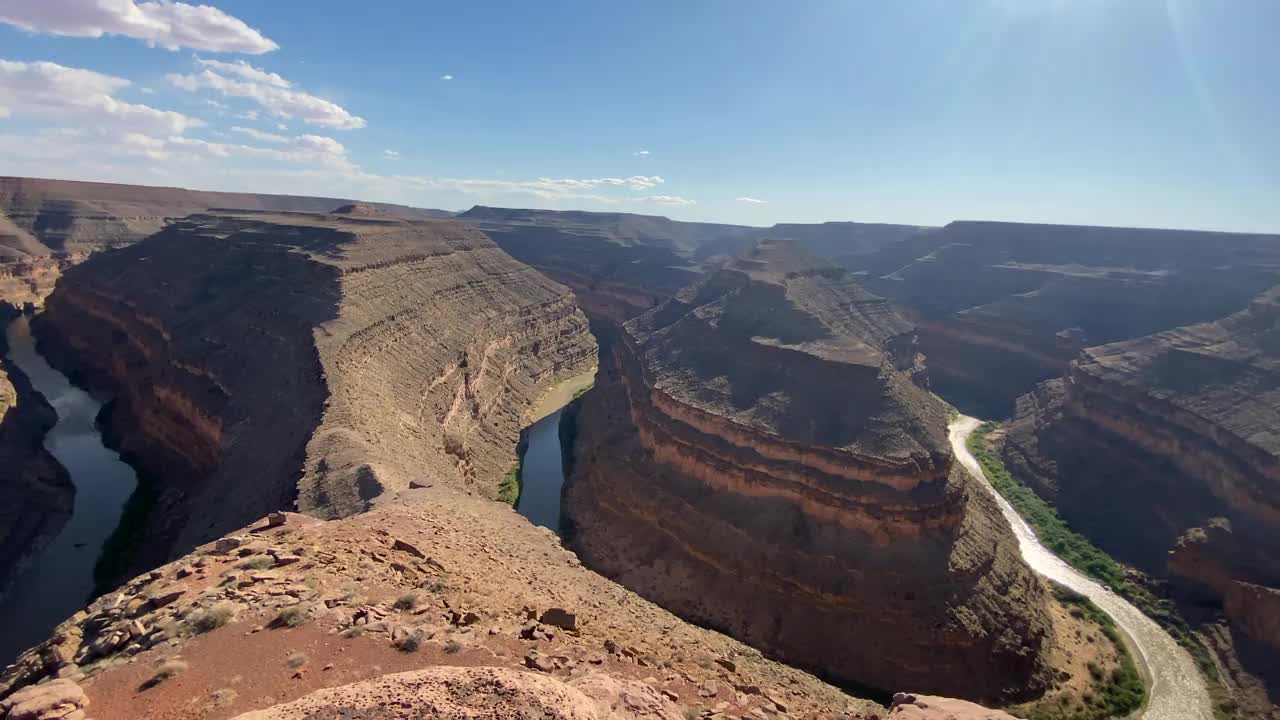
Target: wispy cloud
<point x="259" y="135"/>
<point x="245" y="71"/>
<point x="751" y="200"/>
<point x="170" y="25"/>
<point x="641" y="153"/>
<point x="446" y="77"/>
<point x="271" y="92"/>
<point x="670" y="200"/>
<point x="391" y="153"/>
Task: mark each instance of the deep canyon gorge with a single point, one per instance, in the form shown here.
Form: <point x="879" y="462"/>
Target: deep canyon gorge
<point x="759" y="486"/>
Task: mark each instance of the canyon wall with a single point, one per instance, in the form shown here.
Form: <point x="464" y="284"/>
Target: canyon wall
<point x="262" y="360"/>
<point x="1003" y="306"/>
<point x="759" y="454"/>
<point x="36" y="495"/>
<point x="1165" y="451"/>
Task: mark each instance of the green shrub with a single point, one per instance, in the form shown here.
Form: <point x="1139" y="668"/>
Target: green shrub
<point x="406" y="602"/>
<point x="509" y="490"/>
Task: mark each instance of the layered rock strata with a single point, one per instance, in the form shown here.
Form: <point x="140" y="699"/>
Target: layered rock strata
<point x="1169" y="443"/>
<point x="760" y="455"/>
<point x="1003" y="306"/>
<point x="262" y="360"/>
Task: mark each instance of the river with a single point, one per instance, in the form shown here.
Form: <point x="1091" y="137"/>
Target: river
<point x="542" y="475"/>
<point x="59" y="580"/>
<point x="1177" y="689"/>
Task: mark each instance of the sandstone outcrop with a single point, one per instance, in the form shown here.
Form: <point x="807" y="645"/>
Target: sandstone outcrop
<point x="463" y="693"/>
<point x="761" y="456"/>
<point x="928" y="707"/>
<point x="36" y="495"/>
<point x="208" y="626"/>
<point x="1003" y="306"/>
<point x="263" y="360"/>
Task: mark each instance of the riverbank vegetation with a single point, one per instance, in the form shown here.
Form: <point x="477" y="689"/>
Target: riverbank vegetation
<point x="509" y="490"/>
<point x="1077" y="551"/>
<point x="1111" y="692"/>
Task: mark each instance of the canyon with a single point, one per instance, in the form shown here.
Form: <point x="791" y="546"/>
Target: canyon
<point x="762" y="455"/>
<point x="1162" y="450"/>
<point x="323" y="360"/>
<point x="36" y="495"/>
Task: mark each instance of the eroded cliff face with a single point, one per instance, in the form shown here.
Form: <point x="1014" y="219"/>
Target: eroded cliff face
<point x="759" y="456"/>
<point x="1164" y="450"/>
<point x="1003" y="306"/>
<point x="257" y="361"/>
<point x="36" y="495"/>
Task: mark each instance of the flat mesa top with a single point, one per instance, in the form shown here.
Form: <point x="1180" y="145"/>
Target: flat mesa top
<point x="350" y="242"/>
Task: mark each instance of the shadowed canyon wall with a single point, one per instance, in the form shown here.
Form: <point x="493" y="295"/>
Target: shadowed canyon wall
<point x="760" y="456"/>
<point x="1166" y="450"/>
<point x="1003" y="306"/>
<point x="261" y="360"/>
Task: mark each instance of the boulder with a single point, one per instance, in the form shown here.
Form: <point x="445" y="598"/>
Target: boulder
<point x="46" y="701"/>
<point x="559" y="617"/>
<point x="929" y="707"/>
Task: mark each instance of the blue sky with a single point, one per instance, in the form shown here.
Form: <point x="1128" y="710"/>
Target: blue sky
<point x="1133" y="112"/>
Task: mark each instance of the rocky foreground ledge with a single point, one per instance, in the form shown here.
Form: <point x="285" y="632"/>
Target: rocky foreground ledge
<point x="432" y="600"/>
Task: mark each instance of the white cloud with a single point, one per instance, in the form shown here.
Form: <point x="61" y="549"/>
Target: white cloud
<point x="270" y="91"/>
<point x="391" y="153"/>
<point x="446" y="77"/>
<point x="554" y="189"/>
<point x="751" y="200"/>
<point x="146" y="91"/>
<point x="281" y="126"/>
<point x="671" y="200"/>
<point x="641" y="153"/>
<point x="51" y="89"/>
<point x="170" y="25"/>
<point x="259" y="135"/>
<point x="102" y="146"/>
<point x="245" y="71"/>
<point x="248" y="115"/>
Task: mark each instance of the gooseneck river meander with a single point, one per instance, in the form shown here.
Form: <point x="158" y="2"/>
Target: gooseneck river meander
<point x="59" y="580"/>
<point x="1178" y="691"/>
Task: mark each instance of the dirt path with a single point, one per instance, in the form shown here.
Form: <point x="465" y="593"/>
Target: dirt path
<point x="1177" y="690"/>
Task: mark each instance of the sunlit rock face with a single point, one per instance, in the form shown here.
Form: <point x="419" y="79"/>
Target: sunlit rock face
<point x="761" y="455"/>
<point x="1166" y="451"/>
<point x="263" y="361"/>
